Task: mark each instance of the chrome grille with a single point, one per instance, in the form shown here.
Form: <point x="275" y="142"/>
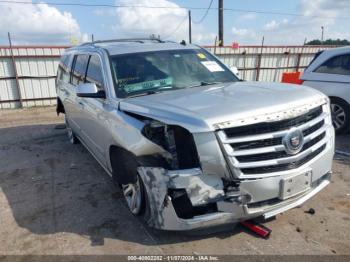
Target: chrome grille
<point x="273" y="126"/>
<point x="257" y="150"/>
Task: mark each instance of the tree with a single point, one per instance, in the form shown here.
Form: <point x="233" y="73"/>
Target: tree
<point x="328" y="42"/>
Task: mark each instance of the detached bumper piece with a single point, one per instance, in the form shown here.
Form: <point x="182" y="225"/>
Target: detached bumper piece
<point x="260" y="230"/>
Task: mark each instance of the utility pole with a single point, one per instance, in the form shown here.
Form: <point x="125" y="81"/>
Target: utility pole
<point x="221" y="22"/>
<point x="15" y="71"/>
<point x="189" y="27"/>
<point x="322" y="28"/>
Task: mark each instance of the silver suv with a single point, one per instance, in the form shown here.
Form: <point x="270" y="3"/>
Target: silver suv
<point x="190" y="144"/>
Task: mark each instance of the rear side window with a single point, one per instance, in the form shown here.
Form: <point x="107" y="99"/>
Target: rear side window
<point x="79" y="70"/>
<point x="313" y="59"/>
<point x="339" y="65"/>
<point x="94" y="72"/>
<point x="64" y="68"/>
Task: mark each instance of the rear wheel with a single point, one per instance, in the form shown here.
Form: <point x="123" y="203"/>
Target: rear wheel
<point x="71" y="136"/>
<point x="340" y="115"/>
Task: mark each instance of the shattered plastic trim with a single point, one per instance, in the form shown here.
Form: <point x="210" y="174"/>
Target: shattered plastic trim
<point x="200" y="189"/>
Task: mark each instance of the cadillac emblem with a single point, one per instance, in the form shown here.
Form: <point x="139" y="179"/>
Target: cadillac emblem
<point x="293" y="141"/>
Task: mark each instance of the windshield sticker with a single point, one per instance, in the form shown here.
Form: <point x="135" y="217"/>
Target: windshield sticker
<point x="201" y="56"/>
<point x="212" y="66"/>
<point x="124" y="81"/>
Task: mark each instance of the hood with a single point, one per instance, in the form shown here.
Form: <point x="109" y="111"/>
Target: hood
<point x="201" y="109"/>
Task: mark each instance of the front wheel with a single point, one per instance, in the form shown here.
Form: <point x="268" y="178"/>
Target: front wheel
<point x="340" y="115"/>
<point x="134" y="196"/>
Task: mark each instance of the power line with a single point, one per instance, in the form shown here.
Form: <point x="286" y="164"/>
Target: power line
<point x="205" y="14"/>
<point x="174" y="7"/>
<point x="95" y="5"/>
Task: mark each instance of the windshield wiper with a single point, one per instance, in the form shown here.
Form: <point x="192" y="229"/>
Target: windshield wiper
<point x="155" y="91"/>
<point x="151" y="92"/>
<point x="204" y="83"/>
<point x="165" y="88"/>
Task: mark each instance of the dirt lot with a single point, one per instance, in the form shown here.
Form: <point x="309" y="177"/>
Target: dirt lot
<point x="56" y="199"/>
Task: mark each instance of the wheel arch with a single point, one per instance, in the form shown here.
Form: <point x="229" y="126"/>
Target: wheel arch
<point x="123" y="164"/>
<point x="60" y="107"/>
<point x="333" y="97"/>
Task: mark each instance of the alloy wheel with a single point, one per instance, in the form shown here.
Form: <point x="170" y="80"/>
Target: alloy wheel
<point x="133" y="196"/>
<point x="338" y="116"/>
<point x="70" y="133"/>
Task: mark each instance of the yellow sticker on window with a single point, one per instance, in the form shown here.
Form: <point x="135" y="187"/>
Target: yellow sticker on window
<point x="201" y="56"/>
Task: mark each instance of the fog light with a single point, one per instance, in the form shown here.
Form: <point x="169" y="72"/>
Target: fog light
<point x="244" y="198"/>
<point x="238" y="196"/>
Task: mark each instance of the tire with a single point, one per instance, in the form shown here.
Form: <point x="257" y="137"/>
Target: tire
<point x="340" y="115"/>
<point x="144" y="212"/>
<point x="71" y="136"/>
<point x="125" y="176"/>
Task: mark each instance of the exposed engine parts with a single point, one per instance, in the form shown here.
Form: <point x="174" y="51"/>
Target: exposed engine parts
<point x="177" y="141"/>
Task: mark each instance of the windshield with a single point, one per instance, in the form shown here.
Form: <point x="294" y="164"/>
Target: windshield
<point x="151" y="72"/>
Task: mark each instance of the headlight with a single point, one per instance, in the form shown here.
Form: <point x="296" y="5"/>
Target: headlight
<point x="326" y="107"/>
<point x="154" y="131"/>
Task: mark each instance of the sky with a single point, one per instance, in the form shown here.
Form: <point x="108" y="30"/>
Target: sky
<point x="246" y="24"/>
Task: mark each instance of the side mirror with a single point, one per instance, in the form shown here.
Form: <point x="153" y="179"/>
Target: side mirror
<point x="234" y="70"/>
<point x="90" y="90"/>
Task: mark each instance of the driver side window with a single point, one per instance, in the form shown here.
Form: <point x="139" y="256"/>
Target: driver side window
<point x="94" y="72"/>
<point x="79" y="70"/>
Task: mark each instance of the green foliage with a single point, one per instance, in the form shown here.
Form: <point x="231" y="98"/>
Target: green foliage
<point x="328" y="42"/>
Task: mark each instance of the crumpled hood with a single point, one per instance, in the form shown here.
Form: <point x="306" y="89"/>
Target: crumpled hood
<point x="199" y="109"/>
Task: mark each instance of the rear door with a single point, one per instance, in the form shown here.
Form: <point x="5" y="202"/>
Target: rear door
<point x="64" y="88"/>
<point x="77" y="77"/>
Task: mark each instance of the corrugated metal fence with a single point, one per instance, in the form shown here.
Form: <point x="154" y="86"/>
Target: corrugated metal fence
<point x="27" y="73"/>
<point x="269" y="62"/>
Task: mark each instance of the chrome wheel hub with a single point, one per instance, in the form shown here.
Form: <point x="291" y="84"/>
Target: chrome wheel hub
<point x="133" y="196"/>
<point x="338" y="116"/>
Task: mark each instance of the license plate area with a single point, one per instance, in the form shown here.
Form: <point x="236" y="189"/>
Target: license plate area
<point x="296" y="184"/>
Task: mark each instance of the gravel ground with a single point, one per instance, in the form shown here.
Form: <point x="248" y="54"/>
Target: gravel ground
<point x="56" y="199"/>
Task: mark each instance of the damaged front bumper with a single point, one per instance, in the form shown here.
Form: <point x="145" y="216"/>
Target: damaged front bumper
<point x="204" y="203"/>
<point x="203" y="189"/>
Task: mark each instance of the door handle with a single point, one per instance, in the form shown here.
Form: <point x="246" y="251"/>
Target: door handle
<point x="81" y="104"/>
<point x="63" y="90"/>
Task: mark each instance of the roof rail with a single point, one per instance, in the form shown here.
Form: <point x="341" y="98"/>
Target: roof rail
<point x="139" y="40"/>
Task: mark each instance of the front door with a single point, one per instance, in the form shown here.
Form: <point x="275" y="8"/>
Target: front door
<point x="92" y="112"/>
